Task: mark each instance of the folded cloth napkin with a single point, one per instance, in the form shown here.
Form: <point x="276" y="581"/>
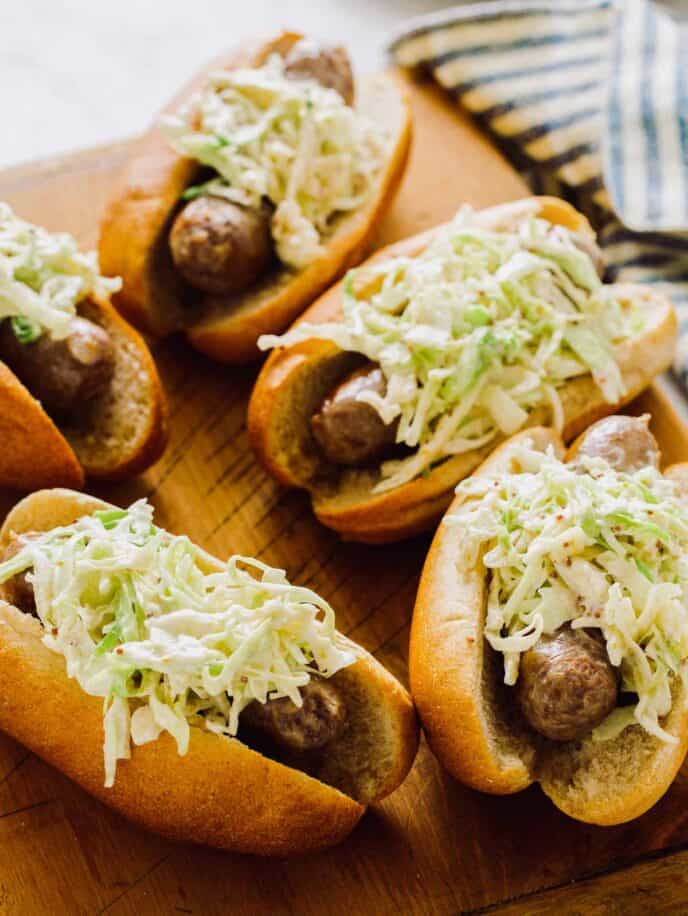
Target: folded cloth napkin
<point x="589" y="101"/>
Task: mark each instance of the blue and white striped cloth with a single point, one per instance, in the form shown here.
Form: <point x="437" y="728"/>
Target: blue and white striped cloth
<point x="589" y="100"/>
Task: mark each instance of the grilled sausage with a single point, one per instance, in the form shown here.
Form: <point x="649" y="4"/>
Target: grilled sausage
<point x="351" y="432"/>
<point x="309" y="727"/>
<point x="219" y="246"/>
<point x="18" y="590"/>
<point x="62" y="374"/>
<point x="329" y="65"/>
<point x="625" y="443"/>
<point x="566" y="684"/>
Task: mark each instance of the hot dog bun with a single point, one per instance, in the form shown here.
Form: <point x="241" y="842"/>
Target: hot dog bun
<point x="456" y="682"/>
<point x="120" y="432"/>
<point x="221" y="793"/>
<point x="294" y="382"/>
<point x="134" y="244"/>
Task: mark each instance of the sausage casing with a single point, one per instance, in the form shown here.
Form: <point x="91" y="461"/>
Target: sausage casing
<point x="328" y="65"/>
<point x="61" y="374"/>
<point x="309" y="727"/>
<point x="625" y="443"/>
<point x="566" y="684"/>
<point x="219" y="246"/>
<point x="348" y="431"/>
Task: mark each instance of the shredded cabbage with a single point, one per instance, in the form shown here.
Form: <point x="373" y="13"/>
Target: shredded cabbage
<point x="603" y="549"/>
<point x="43" y="276"/>
<point x="474" y="333"/>
<point x="166" y="644"/>
<point x="291" y="141"/>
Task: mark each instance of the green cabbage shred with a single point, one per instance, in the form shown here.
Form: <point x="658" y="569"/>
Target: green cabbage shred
<point x="477" y="331"/>
<point x="605" y="550"/>
<point x="142" y="622"/>
<point x="289" y="141"/>
<point x="43" y="277"/>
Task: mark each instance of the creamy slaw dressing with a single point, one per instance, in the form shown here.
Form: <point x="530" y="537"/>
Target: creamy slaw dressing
<point x="43" y="277"/>
<point x="474" y="333"/>
<point x="169" y="645"/>
<point x="290" y="141"/>
<point x="604" y="549"/>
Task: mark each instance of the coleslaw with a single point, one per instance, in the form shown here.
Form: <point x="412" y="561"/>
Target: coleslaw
<point x="605" y="550"/>
<point x="474" y="333"/>
<point x="165" y="634"/>
<point x="290" y="141"/>
<point x="43" y="277"/>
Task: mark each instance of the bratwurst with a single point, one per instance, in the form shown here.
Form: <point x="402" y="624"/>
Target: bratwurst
<point x="309" y="727"/>
<point x="61" y="374"/>
<point x="328" y="65"/>
<point x="348" y="431"/>
<point x="221" y="247"/>
<point x="625" y="443"/>
<point x="566" y="684"/>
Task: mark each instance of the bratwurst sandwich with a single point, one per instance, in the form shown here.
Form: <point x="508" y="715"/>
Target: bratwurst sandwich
<point x="550" y="635"/>
<point x="263" y="181"/>
<point x="211" y="702"/>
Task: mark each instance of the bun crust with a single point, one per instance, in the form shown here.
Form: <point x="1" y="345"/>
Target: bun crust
<point x="120" y="432"/>
<point x="221" y="793"/>
<point x="133" y="240"/>
<point x="295" y="380"/>
<point x="472" y="724"/>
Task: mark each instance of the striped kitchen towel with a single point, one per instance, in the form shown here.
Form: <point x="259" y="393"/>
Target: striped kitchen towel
<point x="589" y="100"/>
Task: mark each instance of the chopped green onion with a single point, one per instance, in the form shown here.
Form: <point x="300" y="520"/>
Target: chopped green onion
<point x="196" y="190"/>
<point x="644" y="569"/>
<point x="25" y="331"/>
<point x="642" y="526"/>
<point x="112" y="639"/>
<point x="110" y="517"/>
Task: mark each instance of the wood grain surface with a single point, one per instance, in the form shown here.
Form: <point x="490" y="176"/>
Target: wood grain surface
<point x="434" y="847"/>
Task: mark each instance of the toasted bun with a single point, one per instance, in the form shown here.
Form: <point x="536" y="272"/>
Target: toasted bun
<point x="124" y="430"/>
<point x="134" y="232"/>
<point x="221" y="792"/>
<point x="294" y="382"/>
<point x="473" y="725"/>
<point x="120" y="432"/>
<point x="34" y="452"/>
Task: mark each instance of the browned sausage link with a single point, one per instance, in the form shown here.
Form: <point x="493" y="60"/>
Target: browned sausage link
<point x="64" y="373"/>
<point x="625" y="443"/>
<point x="329" y="65"/>
<point x="309" y="727"/>
<point x="589" y="246"/>
<point x="18" y="590"/>
<point x="219" y="246"/>
<point x="351" y="432"/>
<point x="566" y="684"/>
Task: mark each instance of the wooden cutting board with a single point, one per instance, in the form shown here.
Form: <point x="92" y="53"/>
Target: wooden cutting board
<point x="434" y="846"/>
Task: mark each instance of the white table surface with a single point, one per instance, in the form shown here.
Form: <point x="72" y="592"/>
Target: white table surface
<point x="77" y="73"/>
